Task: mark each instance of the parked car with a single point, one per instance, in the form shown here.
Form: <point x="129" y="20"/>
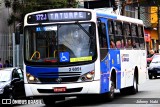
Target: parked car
<point x="154" y="67"/>
<point x="11" y="83"/>
<point x="149" y="59"/>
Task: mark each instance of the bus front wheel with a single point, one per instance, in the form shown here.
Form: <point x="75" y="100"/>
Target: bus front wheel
<point x="150" y="77"/>
<point x="110" y="94"/>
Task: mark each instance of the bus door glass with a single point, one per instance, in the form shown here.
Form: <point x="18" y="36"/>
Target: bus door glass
<point x="102" y="38"/>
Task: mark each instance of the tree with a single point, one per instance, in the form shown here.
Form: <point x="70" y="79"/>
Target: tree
<point x="22" y="7"/>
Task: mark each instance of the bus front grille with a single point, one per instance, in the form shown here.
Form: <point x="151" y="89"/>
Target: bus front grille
<point x="59" y="80"/>
<point x="58" y="77"/>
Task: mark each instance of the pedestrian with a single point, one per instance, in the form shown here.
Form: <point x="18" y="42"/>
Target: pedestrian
<point x="1" y="64"/>
<point x="7" y="64"/>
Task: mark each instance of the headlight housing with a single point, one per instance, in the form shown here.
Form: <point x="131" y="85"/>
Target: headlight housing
<point x="1" y="90"/>
<point x="32" y="79"/>
<point x="89" y="76"/>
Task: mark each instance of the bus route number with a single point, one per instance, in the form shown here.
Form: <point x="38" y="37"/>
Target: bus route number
<point x="75" y="69"/>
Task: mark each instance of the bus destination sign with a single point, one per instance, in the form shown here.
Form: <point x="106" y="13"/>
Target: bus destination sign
<point x="59" y="16"/>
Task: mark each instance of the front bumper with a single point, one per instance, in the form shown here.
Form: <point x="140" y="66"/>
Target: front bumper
<point x="35" y="90"/>
<point x="154" y="72"/>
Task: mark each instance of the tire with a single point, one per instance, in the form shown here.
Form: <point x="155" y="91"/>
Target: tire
<point x="49" y="101"/>
<point x="123" y="91"/>
<point x="11" y="97"/>
<point x="150" y="77"/>
<point x="134" y="89"/>
<point x="155" y="77"/>
<point x="110" y="94"/>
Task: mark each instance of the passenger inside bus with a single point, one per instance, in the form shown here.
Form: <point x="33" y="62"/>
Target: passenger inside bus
<point x="134" y="44"/>
<point x="112" y="44"/>
<point x="129" y="43"/>
<point x="118" y="44"/>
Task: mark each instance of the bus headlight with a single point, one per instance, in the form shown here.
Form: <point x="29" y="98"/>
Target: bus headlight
<point x="89" y="76"/>
<point x="32" y="79"/>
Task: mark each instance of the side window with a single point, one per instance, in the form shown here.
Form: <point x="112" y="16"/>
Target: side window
<point x="111" y="34"/>
<point x="135" y="39"/>
<point x="119" y="39"/>
<point x="15" y="74"/>
<point x="20" y="74"/>
<point x="127" y="35"/>
<point x="141" y="37"/>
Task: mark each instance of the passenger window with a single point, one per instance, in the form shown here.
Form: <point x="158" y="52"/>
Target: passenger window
<point x="141" y="37"/>
<point x="20" y="73"/>
<point x="127" y="35"/>
<point x="111" y="33"/>
<point x="15" y="74"/>
<point x="135" y="39"/>
<point x="118" y="28"/>
<point x="119" y="38"/>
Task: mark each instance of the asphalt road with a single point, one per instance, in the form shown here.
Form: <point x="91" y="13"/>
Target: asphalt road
<point x="148" y="96"/>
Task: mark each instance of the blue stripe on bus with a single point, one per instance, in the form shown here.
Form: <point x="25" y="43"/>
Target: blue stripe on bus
<point x="104" y="75"/>
<point x="106" y="16"/>
<point x="106" y="67"/>
<point x="42" y="72"/>
<point x="115" y="62"/>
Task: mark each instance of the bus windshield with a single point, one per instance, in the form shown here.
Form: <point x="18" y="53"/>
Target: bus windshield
<point x="61" y="43"/>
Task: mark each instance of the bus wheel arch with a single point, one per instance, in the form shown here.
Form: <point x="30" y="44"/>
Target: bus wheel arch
<point x="110" y="94"/>
<point x="113" y="77"/>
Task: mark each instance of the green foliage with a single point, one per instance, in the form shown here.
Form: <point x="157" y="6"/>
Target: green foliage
<point x="22" y="7"/>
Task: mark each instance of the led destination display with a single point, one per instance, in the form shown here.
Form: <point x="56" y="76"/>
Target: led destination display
<point x="59" y="16"/>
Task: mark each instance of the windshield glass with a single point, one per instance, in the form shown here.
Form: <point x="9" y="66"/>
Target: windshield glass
<point x="59" y="44"/>
<point x="156" y="59"/>
<point x="5" y="76"/>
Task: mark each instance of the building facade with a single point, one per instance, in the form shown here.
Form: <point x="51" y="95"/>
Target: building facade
<point x="5" y="34"/>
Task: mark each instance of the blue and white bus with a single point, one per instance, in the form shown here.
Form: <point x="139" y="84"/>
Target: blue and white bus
<point x="72" y="52"/>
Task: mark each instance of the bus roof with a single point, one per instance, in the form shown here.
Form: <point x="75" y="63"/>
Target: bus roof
<point x="60" y="9"/>
<point x="118" y="17"/>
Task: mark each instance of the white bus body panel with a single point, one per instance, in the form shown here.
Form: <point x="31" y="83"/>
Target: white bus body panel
<point x="129" y="60"/>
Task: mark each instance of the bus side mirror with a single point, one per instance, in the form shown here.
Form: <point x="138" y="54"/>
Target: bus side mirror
<point x="17" y="38"/>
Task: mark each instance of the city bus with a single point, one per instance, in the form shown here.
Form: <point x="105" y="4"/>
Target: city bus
<point x="74" y="52"/>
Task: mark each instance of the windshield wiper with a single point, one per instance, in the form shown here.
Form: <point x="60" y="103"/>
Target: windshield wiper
<point x="84" y="29"/>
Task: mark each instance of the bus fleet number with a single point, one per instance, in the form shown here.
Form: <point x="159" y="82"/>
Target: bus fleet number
<point x="75" y="69"/>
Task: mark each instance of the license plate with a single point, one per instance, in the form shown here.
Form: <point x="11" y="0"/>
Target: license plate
<point x="59" y="89"/>
<point x="158" y="71"/>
